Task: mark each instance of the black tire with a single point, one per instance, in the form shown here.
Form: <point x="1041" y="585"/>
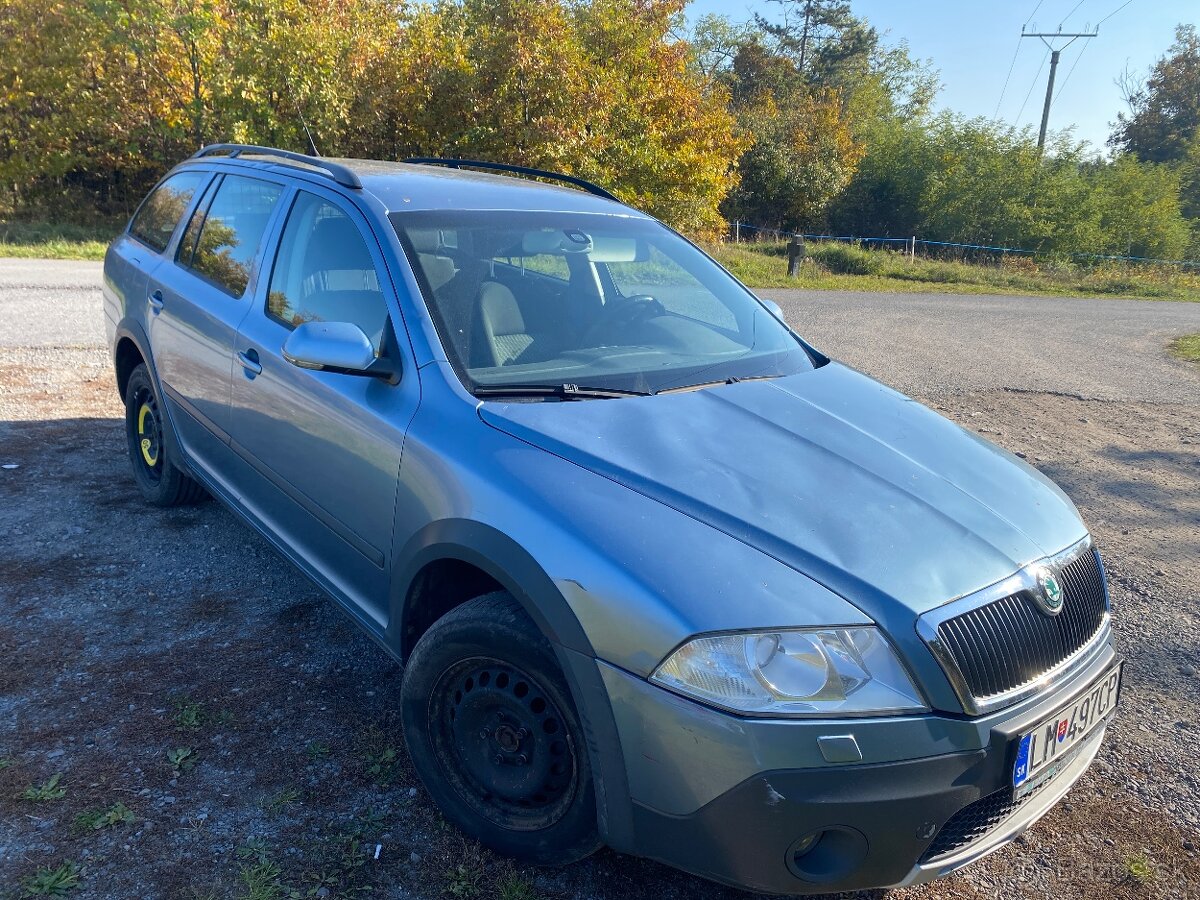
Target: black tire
<point x="158" y="478"/>
<point x="495" y="737"/>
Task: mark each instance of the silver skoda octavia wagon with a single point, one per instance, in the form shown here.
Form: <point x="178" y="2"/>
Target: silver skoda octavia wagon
<point x="661" y="575"/>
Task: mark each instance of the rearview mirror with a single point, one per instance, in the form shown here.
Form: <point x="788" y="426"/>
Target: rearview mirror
<point x="340" y="347"/>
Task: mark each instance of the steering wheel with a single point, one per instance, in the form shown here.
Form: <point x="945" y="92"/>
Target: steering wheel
<point x="621" y="316"/>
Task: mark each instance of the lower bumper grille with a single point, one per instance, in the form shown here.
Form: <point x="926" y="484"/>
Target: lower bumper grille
<point x="972" y="822"/>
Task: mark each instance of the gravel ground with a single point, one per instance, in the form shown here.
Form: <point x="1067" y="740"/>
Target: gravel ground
<point x="129" y="635"/>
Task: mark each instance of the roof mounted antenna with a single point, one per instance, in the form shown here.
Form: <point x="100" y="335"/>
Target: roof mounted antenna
<point x="312" y="145"/>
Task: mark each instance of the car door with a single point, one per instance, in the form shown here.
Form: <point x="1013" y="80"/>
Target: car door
<point x="319" y="452"/>
<point x="197" y="303"/>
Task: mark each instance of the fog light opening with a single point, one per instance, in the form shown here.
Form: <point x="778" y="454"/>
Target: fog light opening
<point x="805" y="844"/>
<point x="827" y="854"/>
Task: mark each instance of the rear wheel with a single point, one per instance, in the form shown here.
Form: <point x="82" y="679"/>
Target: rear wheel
<point x="161" y="482"/>
<point x="495" y="737"/>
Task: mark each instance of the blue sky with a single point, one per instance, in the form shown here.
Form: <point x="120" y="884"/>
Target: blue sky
<point x="972" y="42"/>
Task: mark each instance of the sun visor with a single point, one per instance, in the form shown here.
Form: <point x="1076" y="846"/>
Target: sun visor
<point x="534" y="243"/>
<point x="616" y="250"/>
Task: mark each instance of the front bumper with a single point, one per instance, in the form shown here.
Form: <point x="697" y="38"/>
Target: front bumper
<point x="931" y="794"/>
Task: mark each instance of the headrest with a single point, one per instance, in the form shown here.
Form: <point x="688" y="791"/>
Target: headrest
<point x="425" y="240"/>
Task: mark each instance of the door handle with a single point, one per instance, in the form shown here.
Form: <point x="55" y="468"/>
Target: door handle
<point x="250" y="363"/>
<point x="156" y="301"/>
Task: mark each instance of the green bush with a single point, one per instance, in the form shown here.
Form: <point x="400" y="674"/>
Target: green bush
<point x="847" y="259"/>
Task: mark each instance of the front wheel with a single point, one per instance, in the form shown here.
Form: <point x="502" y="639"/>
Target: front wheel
<point x="161" y="482"/>
<point x="494" y="736"/>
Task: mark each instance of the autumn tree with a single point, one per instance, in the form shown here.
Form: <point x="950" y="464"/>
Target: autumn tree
<point x="1164" y="112"/>
<point x="802" y="156"/>
<point x="597" y="89"/>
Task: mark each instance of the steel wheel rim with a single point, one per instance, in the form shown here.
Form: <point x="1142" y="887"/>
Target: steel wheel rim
<point x="503" y="744"/>
<point x="147" y="428"/>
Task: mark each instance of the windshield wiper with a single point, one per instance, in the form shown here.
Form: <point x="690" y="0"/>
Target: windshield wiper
<point x="561" y="391"/>
<point x="707" y="384"/>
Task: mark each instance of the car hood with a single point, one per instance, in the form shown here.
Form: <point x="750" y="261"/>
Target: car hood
<point x="855" y="485"/>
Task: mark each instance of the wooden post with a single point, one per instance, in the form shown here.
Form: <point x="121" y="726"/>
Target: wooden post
<point x="912" y="249"/>
<point x="796" y="254"/>
<point x="737" y="232"/>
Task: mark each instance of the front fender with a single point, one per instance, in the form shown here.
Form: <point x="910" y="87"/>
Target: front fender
<point x="499" y="556"/>
<point x="518" y="572"/>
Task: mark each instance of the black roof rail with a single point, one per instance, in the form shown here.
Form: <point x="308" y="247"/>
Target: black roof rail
<point x="337" y="172"/>
<point x="506" y="167"/>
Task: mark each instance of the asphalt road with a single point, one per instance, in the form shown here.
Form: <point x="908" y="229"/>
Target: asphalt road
<point x="926" y="344"/>
<point x="50" y="303"/>
<point x="938" y="344"/>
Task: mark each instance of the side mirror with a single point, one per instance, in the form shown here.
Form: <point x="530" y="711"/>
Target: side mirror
<point x="773" y="308"/>
<point x="340" y="347"/>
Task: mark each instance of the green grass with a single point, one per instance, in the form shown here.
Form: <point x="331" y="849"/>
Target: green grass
<point x="515" y="887"/>
<point x="52" y="882"/>
<point x="317" y="750"/>
<point x="188" y="713"/>
<point x="463" y="881"/>
<point x="182" y="758"/>
<point x="50" y="790"/>
<point x="1140" y="868"/>
<point x="284" y="798"/>
<point x="1187" y="347"/>
<point x="261" y="881"/>
<point x="843" y="267"/>
<point x="99" y="819"/>
<point x="47" y="240"/>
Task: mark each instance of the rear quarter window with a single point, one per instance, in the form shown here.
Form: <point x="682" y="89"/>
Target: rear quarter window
<point x="155" y="222"/>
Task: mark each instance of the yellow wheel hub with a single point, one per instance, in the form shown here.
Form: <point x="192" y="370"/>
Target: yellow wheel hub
<point x="147" y="443"/>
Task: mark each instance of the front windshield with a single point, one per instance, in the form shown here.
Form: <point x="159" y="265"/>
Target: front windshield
<point x="586" y="302"/>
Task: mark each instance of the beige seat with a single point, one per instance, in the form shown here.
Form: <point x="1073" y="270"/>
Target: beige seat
<point x="501" y="325"/>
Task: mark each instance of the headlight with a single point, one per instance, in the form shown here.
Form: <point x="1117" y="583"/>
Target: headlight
<point x="794" y="672"/>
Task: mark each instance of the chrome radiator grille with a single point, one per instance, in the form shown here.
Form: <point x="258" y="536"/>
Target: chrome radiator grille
<point x="993" y="650"/>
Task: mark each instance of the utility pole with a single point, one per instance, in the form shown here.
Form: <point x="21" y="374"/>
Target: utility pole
<point x="1047" y="39"/>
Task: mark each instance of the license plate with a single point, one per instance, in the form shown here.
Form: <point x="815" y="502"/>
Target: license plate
<point x="1044" y="751"/>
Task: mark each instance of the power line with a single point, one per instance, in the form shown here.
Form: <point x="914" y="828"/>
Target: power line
<point x="1036" y="75"/>
<point x="1072" y="12"/>
<point x="1070" y="72"/>
<point x="1011" y="66"/>
<point x="1114" y="12"/>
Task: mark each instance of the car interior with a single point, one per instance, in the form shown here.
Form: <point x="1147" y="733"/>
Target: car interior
<point x="549" y="303"/>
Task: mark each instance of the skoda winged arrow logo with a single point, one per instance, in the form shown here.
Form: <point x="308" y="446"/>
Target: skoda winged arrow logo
<point x="1049" y="593"/>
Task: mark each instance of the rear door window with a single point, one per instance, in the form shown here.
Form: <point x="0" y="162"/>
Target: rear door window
<point x="155" y="222"/>
<point x="324" y="271"/>
<point x="229" y="232"/>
